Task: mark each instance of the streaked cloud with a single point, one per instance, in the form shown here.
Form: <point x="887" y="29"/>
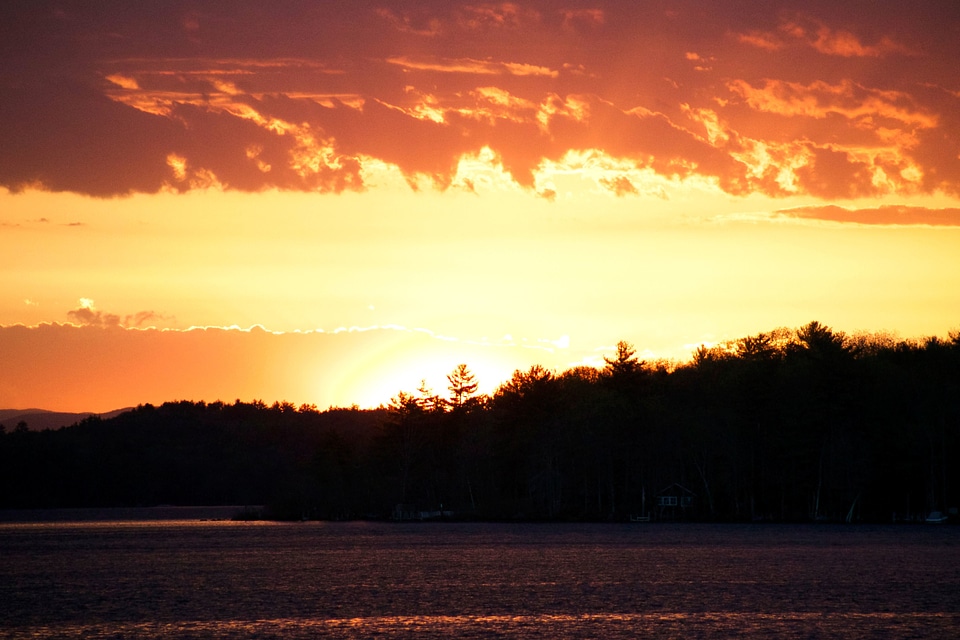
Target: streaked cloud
<point x="885" y="215"/>
<point x="802" y="29"/>
<point x="821" y="100"/>
<point x="476" y="67"/>
<point x="838" y="42"/>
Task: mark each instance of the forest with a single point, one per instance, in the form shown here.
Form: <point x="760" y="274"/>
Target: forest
<point x="790" y="425"/>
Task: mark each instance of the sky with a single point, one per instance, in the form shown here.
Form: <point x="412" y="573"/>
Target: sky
<point x="326" y="203"/>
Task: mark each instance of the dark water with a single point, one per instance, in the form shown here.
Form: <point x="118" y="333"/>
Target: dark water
<point x="362" y="580"/>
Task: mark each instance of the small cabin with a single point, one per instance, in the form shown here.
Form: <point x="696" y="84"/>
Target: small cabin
<point x="403" y="512"/>
<point x="675" y="502"/>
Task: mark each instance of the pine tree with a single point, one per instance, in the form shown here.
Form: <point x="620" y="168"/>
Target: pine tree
<point x="463" y="385"/>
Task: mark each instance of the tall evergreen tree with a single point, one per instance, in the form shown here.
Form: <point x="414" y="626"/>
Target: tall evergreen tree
<point x="463" y="385"/>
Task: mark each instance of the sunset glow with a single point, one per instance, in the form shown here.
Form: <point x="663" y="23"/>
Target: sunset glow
<point x="328" y="203"/>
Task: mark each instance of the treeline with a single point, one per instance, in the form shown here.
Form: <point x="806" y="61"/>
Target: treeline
<point x="789" y="425"/>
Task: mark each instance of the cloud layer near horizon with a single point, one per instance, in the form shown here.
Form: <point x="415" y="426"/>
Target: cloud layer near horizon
<point x="821" y="98"/>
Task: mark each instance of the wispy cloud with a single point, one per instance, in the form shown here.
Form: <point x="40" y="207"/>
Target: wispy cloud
<point x="87" y="315"/>
<point x="839" y="42"/>
<point x="420" y="23"/>
<point x="142" y="318"/>
<point x="822" y="99"/>
<point x="499" y="15"/>
<point x="885" y="215"/>
<point x="806" y="30"/>
<point x="471" y="66"/>
<point x="580" y="20"/>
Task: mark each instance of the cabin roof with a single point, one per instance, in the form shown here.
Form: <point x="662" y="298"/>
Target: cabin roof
<point x="675" y="489"/>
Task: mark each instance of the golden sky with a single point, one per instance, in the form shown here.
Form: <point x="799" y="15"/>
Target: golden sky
<point x="326" y="204"/>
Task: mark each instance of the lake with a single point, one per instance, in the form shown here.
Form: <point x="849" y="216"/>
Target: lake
<point x="222" y="579"/>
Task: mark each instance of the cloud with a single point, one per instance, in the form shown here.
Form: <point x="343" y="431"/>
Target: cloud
<point x="523" y="69"/>
<point x="476" y="67"/>
<point x="141" y="318"/>
<point x="87" y="315"/>
<point x="92" y="318"/>
<point x="495" y="16"/>
<point x="420" y="23"/>
<point x="821" y="99"/>
<point x="838" y="42"/>
<point x="307" y="97"/>
<point x="809" y="31"/>
<point x="699" y="62"/>
<point x="766" y="41"/>
<point x="831" y="139"/>
<point x="582" y="20"/>
<point x="129" y="84"/>
<point x="620" y="185"/>
<point x="885" y="215"/>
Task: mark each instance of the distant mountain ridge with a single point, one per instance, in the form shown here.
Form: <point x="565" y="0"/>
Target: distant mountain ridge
<point x="41" y="419"/>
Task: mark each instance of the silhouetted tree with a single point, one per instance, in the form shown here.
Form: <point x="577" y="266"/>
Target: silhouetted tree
<point x="463" y="385"/>
<point x="429" y="400"/>
<point x="625" y="364"/>
<point x="405" y="436"/>
<point x="821" y="342"/>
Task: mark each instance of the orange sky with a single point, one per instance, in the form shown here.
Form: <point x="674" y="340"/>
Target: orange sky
<point x="385" y="189"/>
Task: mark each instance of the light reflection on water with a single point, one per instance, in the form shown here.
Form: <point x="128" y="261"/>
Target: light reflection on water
<point x="358" y="580"/>
<point x="666" y="625"/>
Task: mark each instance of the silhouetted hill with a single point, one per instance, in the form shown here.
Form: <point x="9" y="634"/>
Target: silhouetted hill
<point x="41" y="419"/>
